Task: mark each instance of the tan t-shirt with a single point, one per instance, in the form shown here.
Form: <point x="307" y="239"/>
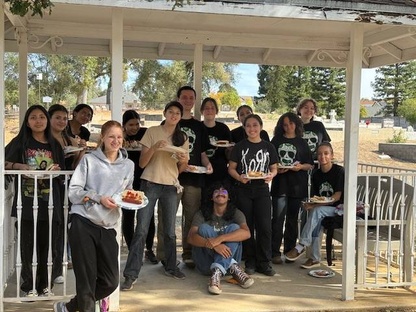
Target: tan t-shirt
<point x="162" y="168"/>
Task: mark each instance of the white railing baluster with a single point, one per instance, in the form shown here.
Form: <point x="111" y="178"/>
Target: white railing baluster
<point x="35" y="232"/>
<point x="19" y="234"/>
<point x="50" y="221"/>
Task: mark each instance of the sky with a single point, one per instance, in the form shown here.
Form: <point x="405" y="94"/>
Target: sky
<point x="247" y="84"/>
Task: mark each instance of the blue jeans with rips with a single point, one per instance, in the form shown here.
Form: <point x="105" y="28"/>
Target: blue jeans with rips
<point x="207" y="259"/>
<point x="166" y="194"/>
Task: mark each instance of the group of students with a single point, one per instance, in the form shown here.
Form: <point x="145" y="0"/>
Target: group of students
<point x="227" y="216"/>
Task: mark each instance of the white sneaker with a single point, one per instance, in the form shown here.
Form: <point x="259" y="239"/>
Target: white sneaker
<point x="59" y="280"/>
<point x="31" y="293"/>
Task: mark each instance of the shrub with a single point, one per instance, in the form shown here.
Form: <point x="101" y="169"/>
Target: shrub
<point x="398" y="137"/>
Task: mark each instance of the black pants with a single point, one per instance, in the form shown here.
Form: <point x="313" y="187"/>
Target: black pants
<point x="255" y="203"/>
<point x="127" y="228"/>
<point x="95" y="262"/>
<point x="42" y="246"/>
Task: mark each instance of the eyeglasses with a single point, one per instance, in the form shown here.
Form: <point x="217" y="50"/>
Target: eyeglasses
<point x="220" y="191"/>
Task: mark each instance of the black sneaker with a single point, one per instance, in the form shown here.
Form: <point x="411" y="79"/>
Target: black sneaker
<point x="267" y="271"/>
<point x="250" y="270"/>
<point x="176" y="274"/>
<point x="128" y="283"/>
<point x="149" y="255"/>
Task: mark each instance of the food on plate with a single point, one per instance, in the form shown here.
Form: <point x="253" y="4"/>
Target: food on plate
<point x="192" y="168"/>
<point x="132" y="197"/>
<point x="222" y="142"/>
<point x="322" y="273"/>
<point x="131" y="144"/>
<point x="318" y="198"/>
<point x="255" y="174"/>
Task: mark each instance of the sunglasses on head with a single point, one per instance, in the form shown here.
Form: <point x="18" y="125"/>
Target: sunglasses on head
<point x="220" y="191"/>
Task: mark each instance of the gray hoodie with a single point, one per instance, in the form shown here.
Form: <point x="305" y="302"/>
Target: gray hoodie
<point x="96" y="176"/>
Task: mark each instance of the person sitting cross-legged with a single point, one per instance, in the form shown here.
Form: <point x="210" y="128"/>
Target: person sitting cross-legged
<point x="328" y="182"/>
<point x="216" y="233"/>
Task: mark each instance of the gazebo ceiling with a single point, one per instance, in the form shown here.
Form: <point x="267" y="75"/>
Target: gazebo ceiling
<point x="270" y="32"/>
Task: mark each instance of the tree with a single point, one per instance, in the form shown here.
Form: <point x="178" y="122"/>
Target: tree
<point x="394" y="84"/>
<point x="22" y="7"/>
<point x="408" y="110"/>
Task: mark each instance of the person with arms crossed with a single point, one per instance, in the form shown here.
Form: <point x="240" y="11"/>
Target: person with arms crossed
<point x="216" y="234"/>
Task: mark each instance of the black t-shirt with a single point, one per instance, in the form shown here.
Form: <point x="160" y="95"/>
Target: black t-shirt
<point x="253" y="157"/>
<point x="291" y="183"/>
<point x="135" y="156"/>
<point x="327" y="183"/>
<point x="198" y="143"/>
<point x="314" y="134"/>
<point x="239" y="134"/>
<point x="217" y="222"/>
<point x="84" y="133"/>
<point x="215" y="154"/>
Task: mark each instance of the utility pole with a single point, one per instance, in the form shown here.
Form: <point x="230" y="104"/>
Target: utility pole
<point x="39" y="77"/>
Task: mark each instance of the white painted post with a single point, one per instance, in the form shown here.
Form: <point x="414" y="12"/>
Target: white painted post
<point x="198" y="79"/>
<point x="116" y="107"/>
<point x="352" y="114"/>
<point x="23" y="94"/>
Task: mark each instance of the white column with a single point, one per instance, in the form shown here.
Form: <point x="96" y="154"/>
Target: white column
<point x="117" y="64"/>
<point x="2" y="193"/>
<point x="352" y="114"/>
<point x="198" y="79"/>
<point x="116" y="103"/>
<point x="23" y="94"/>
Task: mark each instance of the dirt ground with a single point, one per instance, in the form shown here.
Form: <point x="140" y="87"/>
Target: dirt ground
<point x="369" y="138"/>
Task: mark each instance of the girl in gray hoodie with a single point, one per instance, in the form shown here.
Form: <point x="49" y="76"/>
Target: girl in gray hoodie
<point x="94" y="216"/>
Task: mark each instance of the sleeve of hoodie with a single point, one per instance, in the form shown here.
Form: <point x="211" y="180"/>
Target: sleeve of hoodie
<point x="76" y="190"/>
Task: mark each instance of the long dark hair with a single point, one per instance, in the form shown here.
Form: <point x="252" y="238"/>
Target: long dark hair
<point x="207" y="207"/>
<point x="279" y="131"/>
<point x="15" y="150"/>
<point x="129" y="115"/>
<point x="178" y="137"/>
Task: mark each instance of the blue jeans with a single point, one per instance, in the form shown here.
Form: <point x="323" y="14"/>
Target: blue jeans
<point x="312" y="229"/>
<point x="166" y="194"/>
<point x="207" y="259"/>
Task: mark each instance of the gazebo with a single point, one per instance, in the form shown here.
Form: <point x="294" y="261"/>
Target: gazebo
<point x="350" y="34"/>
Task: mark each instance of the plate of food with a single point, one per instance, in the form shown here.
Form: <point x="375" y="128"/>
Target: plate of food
<point x="173" y="149"/>
<point x="321" y="273"/>
<point x="196" y="169"/>
<point x="222" y="143"/>
<point x="71" y="149"/>
<point x="321" y="200"/>
<point x="255" y="175"/>
<point x="132" y="146"/>
<point x="131" y="199"/>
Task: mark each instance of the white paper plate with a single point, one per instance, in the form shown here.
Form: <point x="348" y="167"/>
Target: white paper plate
<point x="196" y="169"/>
<point x="255" y="178"/>
<point x="72" y="149"/>
<point x="325" y="201"/>
<point x="135" y="149"/>
<point x="229" y="144"/>
<point x="173" y="149"/>
<point x="321" y="273"/>
<point x="130" y="206"/>
<point x="284" y="167"/>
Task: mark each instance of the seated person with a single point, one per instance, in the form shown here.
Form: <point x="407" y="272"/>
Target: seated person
<point x="216" y="234"/>
<point x="327" y="181"/>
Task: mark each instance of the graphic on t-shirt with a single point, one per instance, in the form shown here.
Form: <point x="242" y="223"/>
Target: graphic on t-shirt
<point x="287" y="154"/>
<point x="191" y="137"/>
<point x="312" y="139"/>
<point x="260" y="162"/>
<point x="37" y="159"/>
<point x="211" y="151"/>
<point x="325" y="189"/>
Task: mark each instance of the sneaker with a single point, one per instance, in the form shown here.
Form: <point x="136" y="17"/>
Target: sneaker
<point x="214" y="286"/>
<point x="310" y="263"/>
<point x="277" y="260"/>
<point x="128" y="283"/>
<point x="149" y="255"/>
<point x="59" y="280"/>
<point x="189" y="263"/>
<point x="31" y="293"/>
<point x="268" y="271"/>
<point x="294" y="254"/>
<point x="250" y="270"/>
<point x="46" y="293"/>
<point x="176" y="274"/>
<point x="59" y="307"/>
<point x="240" y="276"/>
